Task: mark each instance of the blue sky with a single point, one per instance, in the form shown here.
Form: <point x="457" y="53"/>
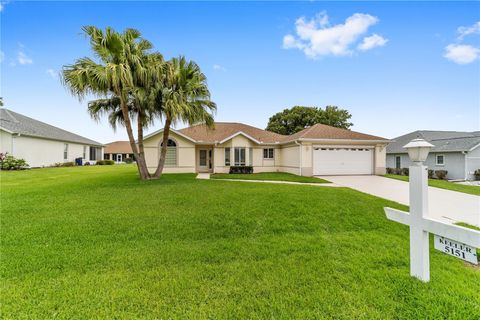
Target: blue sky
<point x="396" y="66"/>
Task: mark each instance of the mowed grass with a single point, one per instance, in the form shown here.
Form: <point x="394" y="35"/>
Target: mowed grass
<point x="269" y="176"/>
<point x="443" y="185"/>
<point x="97" y="243"/>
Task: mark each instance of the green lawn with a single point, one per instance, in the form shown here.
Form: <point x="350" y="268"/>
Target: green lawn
<point x="97" y="243"/>
<point x="443" y="185"/>
<point x="269" y="176"/>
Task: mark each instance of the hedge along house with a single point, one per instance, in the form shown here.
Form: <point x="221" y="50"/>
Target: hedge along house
<point x="318" y="150"/>
<point x="453" y="151"/>
<point x="41" y="144"/>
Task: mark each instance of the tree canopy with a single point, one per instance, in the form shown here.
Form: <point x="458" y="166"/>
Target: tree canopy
<point x="290" y="121"/>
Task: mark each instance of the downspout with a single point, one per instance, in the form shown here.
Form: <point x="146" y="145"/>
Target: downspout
<point x="299" y="148"/>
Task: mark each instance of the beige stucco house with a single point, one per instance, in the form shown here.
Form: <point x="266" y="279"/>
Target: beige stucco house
<point x="41" y="144"/>
<point x="318" y="150"/>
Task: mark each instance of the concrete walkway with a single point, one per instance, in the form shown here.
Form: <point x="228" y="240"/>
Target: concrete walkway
<point x="445" y="205"/>
<point x="204" y="176"/>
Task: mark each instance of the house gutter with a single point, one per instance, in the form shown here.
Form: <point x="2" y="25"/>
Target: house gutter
<point x="300" y="149"/>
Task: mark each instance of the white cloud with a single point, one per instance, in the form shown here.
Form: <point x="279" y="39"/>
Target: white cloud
<point x="52" y="73"/>
<point x="465" y="31"/>
<point x="23" y="59"/>
<point x="461" y="53"/>
<point x="218" y="67"/>
<point x="371" y="42"/>
<point x="317" y="38"/>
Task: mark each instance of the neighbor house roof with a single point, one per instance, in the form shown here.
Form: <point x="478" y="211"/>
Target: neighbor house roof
<point x="17" y="123"/>
<point x="118" y="147"/>
<point x="224" y="131"/>
<point x="443" y="141"/>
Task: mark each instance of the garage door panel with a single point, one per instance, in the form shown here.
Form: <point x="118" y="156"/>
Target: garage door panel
<point x="342" y="161"/>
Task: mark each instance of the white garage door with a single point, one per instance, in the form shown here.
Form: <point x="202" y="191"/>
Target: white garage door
<point x="342" y="161"/>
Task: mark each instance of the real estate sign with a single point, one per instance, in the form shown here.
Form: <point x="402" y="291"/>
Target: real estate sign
<point x="456" y="249"/>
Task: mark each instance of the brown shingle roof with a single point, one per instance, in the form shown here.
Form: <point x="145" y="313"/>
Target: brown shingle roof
<point x="118" y="147"/>
<point x="224" y="130"/>
<point x="322" y="131"/>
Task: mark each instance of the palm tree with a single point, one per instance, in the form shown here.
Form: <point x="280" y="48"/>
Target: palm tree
<point x="183" y="95"/>
<point x="121" y="70"/>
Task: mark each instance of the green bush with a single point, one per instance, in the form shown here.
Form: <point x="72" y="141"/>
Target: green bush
<point x="390" y="171"/>
<point x="441" y="174"/>
<point x="431" y="174"/>
<point x="128" y="160"/>
<point x="105" y="162"/>
<point x="241" y="169"/>
<point x="12" y="163"/>
<point x="405" y="171"/>
<point x="68" y="164"/>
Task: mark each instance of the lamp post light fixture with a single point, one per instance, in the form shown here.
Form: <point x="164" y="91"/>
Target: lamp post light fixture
<point x="418" y="150"/>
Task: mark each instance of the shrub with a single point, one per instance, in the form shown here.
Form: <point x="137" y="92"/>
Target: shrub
<point x="68" y="164"/>
<point x="477" y="174"/>
<point x="441" y="174"/>
<point x="398" y="171"/>
<point x="105" y="162"/>
<point x="430" y="174"/>
<point x="11" y="163"/>
<point x="390" y="171"/>
<point x="241" y="169"/>
<point x="128" y="160"/>
<point x="405" y="171"/>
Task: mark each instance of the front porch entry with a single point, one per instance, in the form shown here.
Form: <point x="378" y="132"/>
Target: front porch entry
<point x="204" y="159"/>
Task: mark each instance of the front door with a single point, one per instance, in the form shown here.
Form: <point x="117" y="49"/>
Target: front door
<point x="204" y="160"/>
<point x="119" y="158"/>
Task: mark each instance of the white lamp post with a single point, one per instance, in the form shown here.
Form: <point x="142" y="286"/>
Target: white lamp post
<point x="418" y="150"/>
<point x="451" y="239"/>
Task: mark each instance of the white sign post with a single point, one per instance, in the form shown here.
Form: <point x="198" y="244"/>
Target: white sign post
<point x="420" y="224"/>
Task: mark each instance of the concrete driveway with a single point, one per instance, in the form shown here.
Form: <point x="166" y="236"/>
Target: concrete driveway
<point x="445" y="205"/>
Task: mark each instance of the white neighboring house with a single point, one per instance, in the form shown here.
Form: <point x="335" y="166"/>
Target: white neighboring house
<point x="41" y="144"/>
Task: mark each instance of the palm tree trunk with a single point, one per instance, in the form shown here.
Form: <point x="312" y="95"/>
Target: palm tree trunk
<point x="163" y="151"/>
<point x="141" y="164"/>
<point x="141" y="151"/>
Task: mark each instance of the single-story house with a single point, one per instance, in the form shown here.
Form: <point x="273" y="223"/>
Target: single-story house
<point x="118" y="151"/>
<point x="317" y="150"/>
<point x="41" y="144"/>
<point x="453" y="151"/>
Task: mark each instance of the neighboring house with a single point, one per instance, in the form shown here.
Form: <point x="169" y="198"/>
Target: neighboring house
<point x="318" y="150"/>
<point x="456" y="152"/>
<point x="41" y="144"/>
<point x="118" y="151"/>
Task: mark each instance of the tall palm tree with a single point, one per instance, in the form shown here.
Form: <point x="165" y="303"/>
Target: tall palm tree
<point x="183" y="95"/>
<point x="121" y="70"/>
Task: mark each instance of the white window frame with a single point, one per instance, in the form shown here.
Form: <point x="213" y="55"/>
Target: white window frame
<point x="239" y="162"/>
<point x="399" y="162"/>
<point x="65" y="151"/>
<point x="228" y="160"/>
<point x="443" y="159"/>
<point x="84" y="152"/>
<point x="269" y="157"/>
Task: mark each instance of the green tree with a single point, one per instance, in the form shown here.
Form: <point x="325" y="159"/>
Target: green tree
<point x="1" y="101"/>
<point x="293" y="120"/>
<point x="118" y="77"/>
<point x="183" y="95"/>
